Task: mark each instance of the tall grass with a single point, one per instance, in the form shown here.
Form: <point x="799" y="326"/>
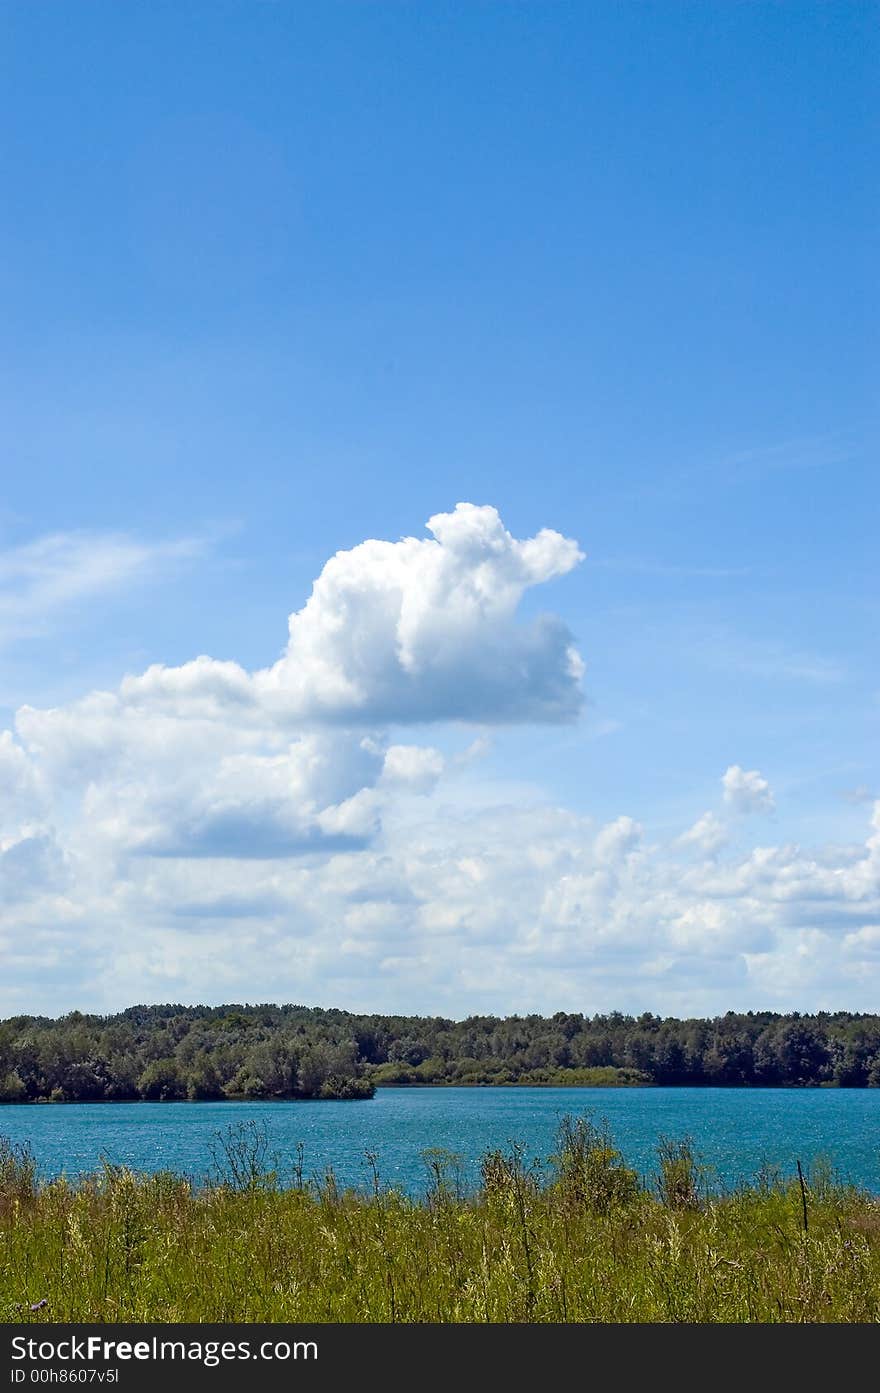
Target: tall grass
<point x="586" y="1242"/>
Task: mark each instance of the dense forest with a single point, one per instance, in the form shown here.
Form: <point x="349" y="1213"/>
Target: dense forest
<point x="168" y="1053"/>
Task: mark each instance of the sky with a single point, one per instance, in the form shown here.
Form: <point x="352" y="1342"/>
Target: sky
<point x="439" y="506"/>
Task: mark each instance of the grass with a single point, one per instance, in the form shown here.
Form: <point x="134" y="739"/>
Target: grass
<point x="583" y="1242"/>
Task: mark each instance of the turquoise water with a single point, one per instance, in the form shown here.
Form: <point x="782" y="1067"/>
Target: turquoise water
<point x="735" y="1131"/>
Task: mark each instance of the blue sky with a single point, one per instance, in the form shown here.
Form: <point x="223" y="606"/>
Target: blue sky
<point x="278" y="279"/>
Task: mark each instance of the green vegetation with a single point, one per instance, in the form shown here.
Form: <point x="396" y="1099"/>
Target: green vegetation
<point x="170" y="1053"/>
<point x="166" y="1053"/>
<point x="579" y="1240"/>
<point x="466" y="1072"/>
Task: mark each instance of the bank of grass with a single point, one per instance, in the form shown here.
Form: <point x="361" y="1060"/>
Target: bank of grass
<point x="583" y="1241"/>
<point x="434" y="1073"/>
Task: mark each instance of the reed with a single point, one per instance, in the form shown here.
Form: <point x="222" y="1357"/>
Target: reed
<point x="580" y="1240"/>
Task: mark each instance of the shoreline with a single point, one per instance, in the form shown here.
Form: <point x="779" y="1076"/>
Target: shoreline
<point x="588" y="1241"/>
<point x="426" y="1087"/>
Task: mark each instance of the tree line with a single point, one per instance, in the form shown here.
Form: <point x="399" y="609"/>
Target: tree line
<point x="174" y="1052"/>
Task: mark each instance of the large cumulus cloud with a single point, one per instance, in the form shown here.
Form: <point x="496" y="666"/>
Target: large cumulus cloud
<point x="422" y="629"/>
<point x="208" y="760"/>
<point x="425" y="629"/>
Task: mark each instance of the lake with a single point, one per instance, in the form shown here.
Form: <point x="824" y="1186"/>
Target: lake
<point x="735" y="1130"/>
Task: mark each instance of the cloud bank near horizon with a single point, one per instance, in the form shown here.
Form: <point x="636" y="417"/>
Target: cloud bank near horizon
<point x="204" y="832"/>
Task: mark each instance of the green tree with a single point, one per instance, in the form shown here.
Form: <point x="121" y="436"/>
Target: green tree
<point x="12" y="1087"/>
<point x="162" y="1081"/>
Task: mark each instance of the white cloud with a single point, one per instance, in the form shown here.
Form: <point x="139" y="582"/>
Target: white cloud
<point x="425" y="629"/>
<point x="747" y="791"/>
<point x="216" y="798"/>
<point x="198" y="761"/>
<point x="708" y="834"/>
<point x="414" y="630"/>
<point x="21" y="796"/>
<point x="416" y="768"/>
<point x="484" y="908"/>
<point x="864" y="941"/>
<point x="617" y="840"/>
<point x="205" y="832"/>
<point x="31" y="864"/>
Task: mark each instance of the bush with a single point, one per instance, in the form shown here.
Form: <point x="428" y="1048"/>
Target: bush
<point x="677" y="1182"/>
<point x="346" y="1090"/>
<point x="506" y="1176"/>
<point x="246" y="1084"/>
<point x="589" y="1168"/>
<point x="18" y="1171"/>
<point x="12" y="1088"/>
<point x="241" y="1158"/>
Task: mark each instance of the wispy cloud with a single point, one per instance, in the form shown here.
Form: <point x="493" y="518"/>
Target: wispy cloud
<point x="776" y="661"/>
<point x="826" y="450"/>
<point x="823" y="451"/>
<point x="41" y="578"/>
